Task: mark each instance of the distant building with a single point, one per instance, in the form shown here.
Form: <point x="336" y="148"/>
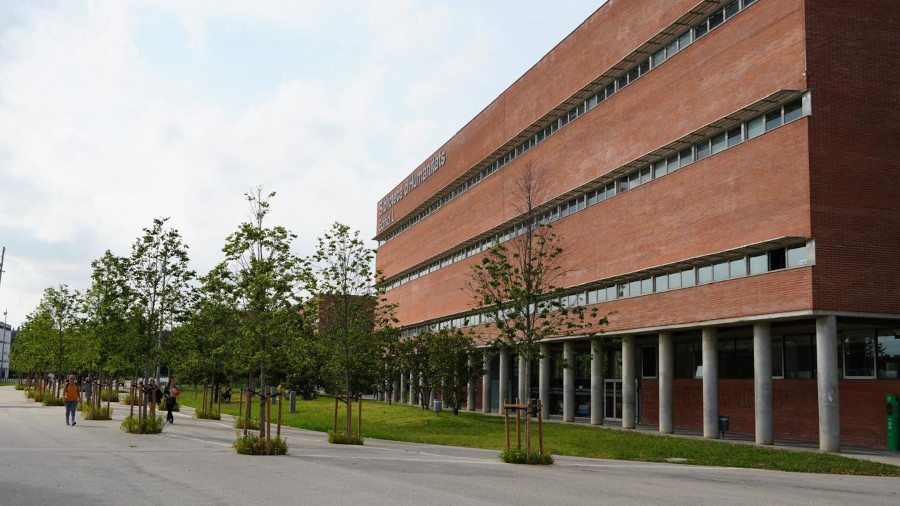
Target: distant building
<point x="6" y="335"/>
<point x="725" y="176"/>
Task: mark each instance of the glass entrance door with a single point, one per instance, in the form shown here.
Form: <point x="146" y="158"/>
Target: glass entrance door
<point x="612" y="395"/>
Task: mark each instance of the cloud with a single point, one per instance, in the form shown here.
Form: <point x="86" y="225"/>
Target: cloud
<point x="113" y="113"/>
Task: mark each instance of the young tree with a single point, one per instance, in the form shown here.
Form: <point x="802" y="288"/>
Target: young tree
<point x="159" y="278"/>
<point x="266" y="280"/>
<point x="60" y="308"/>
<point x="355" y="325"/>
<point x="518" y="284"/>
<point x="449" y="354"/>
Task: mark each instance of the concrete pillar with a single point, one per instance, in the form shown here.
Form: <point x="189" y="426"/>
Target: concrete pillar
<point x="762" y="382"/>
<point x="523" y="381"/>
<point x="710" y="382"/>
<point x="404" y="388"/>
<point x="486" y="382"/>
<point x="544" y="381"/>
<point x="827" y="379"/>
<point x="596" y="381"/>
<point x="504" y="376"/>
<point x="431" y="397"/>
<point x="666" y="357"/>
<point x="470" y="401"/>
<point x="628" y="376"/>
<point x="569" y="382"/>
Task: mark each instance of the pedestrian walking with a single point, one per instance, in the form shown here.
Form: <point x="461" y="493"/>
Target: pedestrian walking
<point x="70" y="396"/>
<point x="172" y="393"/>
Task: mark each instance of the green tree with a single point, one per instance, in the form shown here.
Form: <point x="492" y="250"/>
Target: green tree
<point x="60" y="306"/>
<point x="159" y="278"/>
<point x="267" y="281"/>
<point x="355" y="324"/>
<point x="518" y="284"/>
<point x="449" y="354"/>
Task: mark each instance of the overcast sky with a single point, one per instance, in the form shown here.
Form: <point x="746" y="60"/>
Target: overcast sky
<point x="115" y="112"/>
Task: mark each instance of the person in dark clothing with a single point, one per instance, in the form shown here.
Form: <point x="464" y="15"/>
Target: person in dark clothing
<point x="172" y="392"/>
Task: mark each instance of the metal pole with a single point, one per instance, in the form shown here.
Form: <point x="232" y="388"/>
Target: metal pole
<point x="4" y="371"/>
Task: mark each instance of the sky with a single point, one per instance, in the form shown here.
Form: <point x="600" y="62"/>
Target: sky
<point x="113" y="113"/>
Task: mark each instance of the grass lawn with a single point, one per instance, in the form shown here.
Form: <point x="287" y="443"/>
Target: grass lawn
<point x="413" y="424"/>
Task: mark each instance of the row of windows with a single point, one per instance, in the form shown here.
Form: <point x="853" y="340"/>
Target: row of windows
<point x="736" y="267"/>
<point x="712" y="145"/>
<point x="862" y="354"/>
<point x="626" y="78"/>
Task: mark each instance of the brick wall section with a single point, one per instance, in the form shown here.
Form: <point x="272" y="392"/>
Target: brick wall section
<point x="854" y="71"/>
<point x="612" y="32"/>
<point x="795" y="407"/>
<point x="722" y="64"/>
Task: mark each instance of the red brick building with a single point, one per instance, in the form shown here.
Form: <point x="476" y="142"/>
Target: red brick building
<point x="725" y="177"/>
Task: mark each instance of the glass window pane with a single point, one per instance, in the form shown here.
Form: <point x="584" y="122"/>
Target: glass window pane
<point x="731" y="9"/>
<point x="659" y="169"/>
<point x="659" y="57"/>
<point x="672" y="162"/>
<point x="777" y="357"/>
<point x="644" y="67"/>
<point x="776" y="259"/>
<point x="634" y="288"/>
<point x="671" y="49"/>
<point x="716" y="19"/>
<point x="798" y="357"/>
<point x="648" y="361"/>
<point x="889" y="356"/>
<point x="755" y="127"/>
<point x="601" y="295"/>
<point x="703" y="150"/>
<point x="645" y="175"/>
<point x="661" y="283"/>
<point x="734" y="136"/>
<point x="688" y="277"/>
<point x="738" y="268"/>
<point x="859" y="354"/>
<point x="685" y="40"/>
<point x="633" y="74"/>
<point x="796" y="256"/>
<point x="759" y="264"/>
<point x="623" y="290"/>
<point x="718" y="143"/>
<point x="611" y="292"/>
<point x="773" y="119"/>
<point x="720" y="271"/>
<point x="704" y="274"/>
<point x="686" y="156"/>
<point x="674" y="280"/>
<point x="700" y="31"/>
<point x="793" y="111"/>
<point x="684" y="360"/>
<point x="647" y="285"/>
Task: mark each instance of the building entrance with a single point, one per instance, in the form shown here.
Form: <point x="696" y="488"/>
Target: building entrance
<point x="612" y="396"/>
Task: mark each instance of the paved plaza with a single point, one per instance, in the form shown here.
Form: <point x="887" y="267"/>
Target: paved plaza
<point x="43" y="461"/>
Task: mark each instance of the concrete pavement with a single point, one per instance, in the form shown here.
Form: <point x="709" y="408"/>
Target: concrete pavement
<point x="43" y="461"/>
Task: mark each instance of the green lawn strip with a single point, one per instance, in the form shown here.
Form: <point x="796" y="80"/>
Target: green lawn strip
<point x="413" y="424"/>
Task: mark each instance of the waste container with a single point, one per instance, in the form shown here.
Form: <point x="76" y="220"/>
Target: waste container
<point x="893" y="421"/>
<point x="437" y="406"/>
<point x="724" y="421"/>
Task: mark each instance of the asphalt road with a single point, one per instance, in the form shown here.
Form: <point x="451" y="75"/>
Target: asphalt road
<point x="45" y="462"/>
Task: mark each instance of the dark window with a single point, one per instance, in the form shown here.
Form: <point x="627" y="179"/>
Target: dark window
<point x="776" y="259"/>
<point x="734" y="136"/>
<point x="773" y="119"/>
<point x="731" y="9"/>
<point x="700" y="31"/>
<point x="648" y="361"/>
<point x="703" y="150"/>
<point x="687" y="358"/>
<point x="798" y="357"/>
<point x="716" y="19"/>
<point x="736" y="358"/>
<point x="793" y="111"/>
<point x="888" y="355"/>
<point x="633" y="74"/>
<point x="645" y="67"/>
<point x="859" y="354"/>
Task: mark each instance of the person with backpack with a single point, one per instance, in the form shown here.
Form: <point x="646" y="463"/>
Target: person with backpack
<point x="70" y="397"/>
<point x="172" y="394"/>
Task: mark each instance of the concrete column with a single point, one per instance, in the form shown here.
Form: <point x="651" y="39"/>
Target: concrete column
<point x="404" y="388"/>
<point x="569" y="382"/>
<point x="710" y="382"/>
<point x="470" y="401"/>
<point x="762" y="382"/>
<point x="431" y="397"/>
<point x="628" y="376"/>
<point x="504" y="376"/>
<point x="486" y="382"/>
<point x="596" y="381"/>
<point x="666" y="357"/>
<point x="544" y="381"/>
<point x="827" y="379"/>
<point x="523" y="381"/>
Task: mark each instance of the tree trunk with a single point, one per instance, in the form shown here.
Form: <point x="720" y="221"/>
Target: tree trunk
<point x="527" y="380"/>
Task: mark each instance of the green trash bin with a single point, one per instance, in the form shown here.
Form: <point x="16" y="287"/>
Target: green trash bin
<point x="893" y="421"/>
